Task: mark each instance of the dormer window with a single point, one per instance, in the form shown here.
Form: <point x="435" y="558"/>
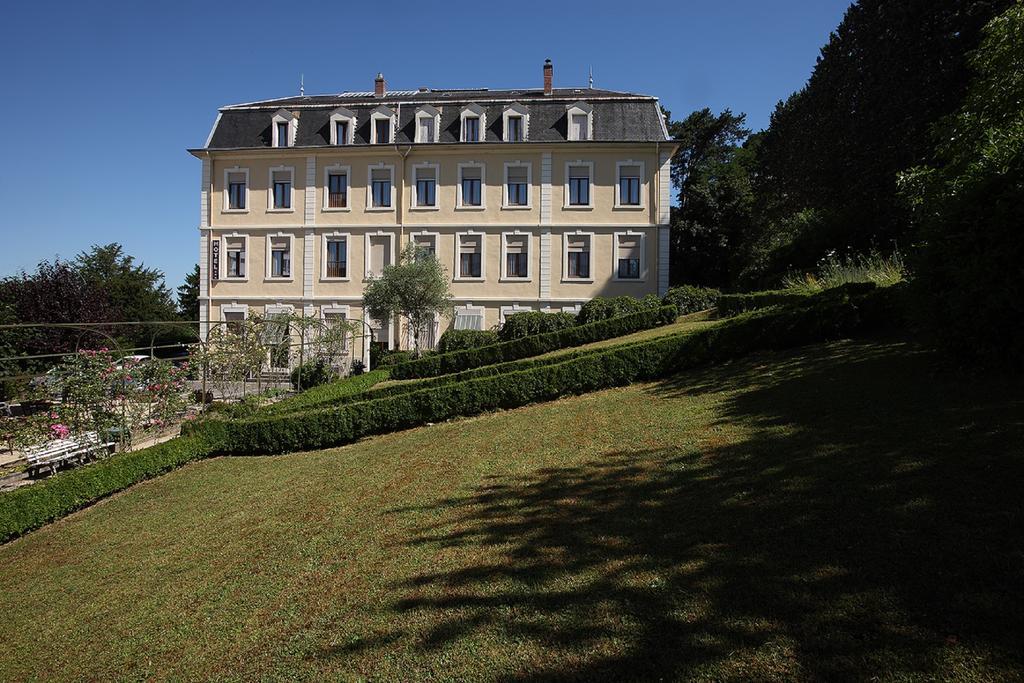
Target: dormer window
<point x="382" y="130"/>
<point x="473" y="122"/>
<point x="580" y="117"/>
<point x="343" y="126"/>
<point x="428" y="121"/>
<point x="516" y="122"/>
<point x="284" y="125"/>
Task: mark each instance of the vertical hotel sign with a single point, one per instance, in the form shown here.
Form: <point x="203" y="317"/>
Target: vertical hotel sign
<point x="215" y="259"/>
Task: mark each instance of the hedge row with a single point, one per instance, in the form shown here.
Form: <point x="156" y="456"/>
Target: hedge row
<point x="328" y="393"/>
<point x="734" y="304"/>
<point x="30" y="507"/>
<point x="820" y="320"/>
<point x="444" y="363"/>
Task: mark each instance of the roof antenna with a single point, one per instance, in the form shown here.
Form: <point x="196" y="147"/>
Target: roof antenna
<point x="302" y="85"/>
<point x="591" y="77"/>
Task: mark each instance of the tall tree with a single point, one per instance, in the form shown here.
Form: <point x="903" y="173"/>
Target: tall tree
<point x="831" y="154"/>
<point x="712" y="173"/>
<point x="188" y="296"/>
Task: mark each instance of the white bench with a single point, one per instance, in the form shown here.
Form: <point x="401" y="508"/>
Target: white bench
<point x="62" y="452"/>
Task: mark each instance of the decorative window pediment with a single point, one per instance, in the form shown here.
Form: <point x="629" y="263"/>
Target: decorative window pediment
<point x="580" y="119"/>
<point x="382" y="128"/>
<point x="283" y="127"/>
<point x="515" y="119"/>
<point x="472" y="123"/>
<point x="343" y="126"/>
<point x="428" y="123"/>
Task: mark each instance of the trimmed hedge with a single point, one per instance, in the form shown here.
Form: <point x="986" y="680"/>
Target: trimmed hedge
<point x="691" y="299"/>
<point x="534" y="345"/>
<point x="519" y="325"/>
<point x="461" y="340"/>
<point x="822" y="319"/>
<point x="30" y="507"/>
<point x="605" y="308"/>
<point x="734" y="304"/>
<point x="327" y="393"/>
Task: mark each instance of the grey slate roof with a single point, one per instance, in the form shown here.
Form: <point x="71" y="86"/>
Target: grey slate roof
<point x="618" y="117"/>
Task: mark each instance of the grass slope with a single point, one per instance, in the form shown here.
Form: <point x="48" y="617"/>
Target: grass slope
<point x="836" y="512"/>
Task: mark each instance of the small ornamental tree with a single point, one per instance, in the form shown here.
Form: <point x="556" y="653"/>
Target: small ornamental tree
<point x="416" y="289"/>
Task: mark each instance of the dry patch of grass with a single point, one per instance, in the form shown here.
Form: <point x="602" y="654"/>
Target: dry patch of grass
<point x="840" y="512"/>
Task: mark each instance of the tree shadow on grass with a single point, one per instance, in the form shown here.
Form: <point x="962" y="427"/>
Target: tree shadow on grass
<point x="849" y="514"/>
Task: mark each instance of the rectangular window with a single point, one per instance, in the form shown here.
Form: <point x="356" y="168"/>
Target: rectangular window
<point x="426" y="128"/>
<point x="337" y="190"/>
<point x="280" y="257"/>
<point x="381" y="188"/>
<point x="471" y="129"/>
<point x="426" y="246"/>
<point x="470" y="254"/>
<point x="337" y="321"/>
<point x="579" y="127"/>
<point x="282" y="134"/>
<point x="380" y="254"/>
<point x="629" y="185"/>
<point x="426" y="187"/>
<point x="235" y="247"/>
<point x="234" y="321"/>
<point x="578" y="256"/>
<point x="518" y="187"/>
<point x="282" y="189"/>
<point x="337" y="257"/>
<point x="515" y="129"/>
<point x="382" y="127"/>
<point x="628" y="257"/>
<point x="517" y="255"/>
<point x="236" y="191"/>
<point x="471" y="186"/>
<point x="469" y="319"/>
<point x="341" y="132"/>
<point x="579" y="186"/>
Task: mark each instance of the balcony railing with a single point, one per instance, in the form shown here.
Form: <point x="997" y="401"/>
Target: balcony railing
<point x="336" y="269"/>
<point x="337" y="200"/>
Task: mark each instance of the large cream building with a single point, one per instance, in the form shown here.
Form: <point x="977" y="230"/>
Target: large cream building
<point x="532" y="199"/>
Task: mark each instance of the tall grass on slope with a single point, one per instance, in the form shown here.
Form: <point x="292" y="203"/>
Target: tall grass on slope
<point x="834" y="271"/>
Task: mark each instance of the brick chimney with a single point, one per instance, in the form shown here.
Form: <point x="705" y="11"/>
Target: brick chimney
<point x="378" y="85"/>
<point x="548" y="72"/>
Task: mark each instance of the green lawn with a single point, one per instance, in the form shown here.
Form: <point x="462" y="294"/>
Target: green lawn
<point x="843" y="512"/>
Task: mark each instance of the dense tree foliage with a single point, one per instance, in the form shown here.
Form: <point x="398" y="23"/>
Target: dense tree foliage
<point x="188" y="296"/>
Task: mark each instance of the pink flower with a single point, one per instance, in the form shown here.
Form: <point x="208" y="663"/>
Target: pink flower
<point x="59" y="431"/>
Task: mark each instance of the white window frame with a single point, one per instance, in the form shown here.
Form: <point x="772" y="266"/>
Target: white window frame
<point x="529" y="187"/>
<point x="270" y="189"/>
<point x="409" y="340"/>
<point x="289" y="309"/>
<point x="335" y="169"/>
<point x="505" y="311"/>
<point x="388" y="331"/>
<point x="224" y="256"/>
<point x="414" y="195"/>
<point x="334" y="236"/>
<point x="618" y="187"/>
<point x="367" y="275"/>
<point x="379" y="114"/>
<point x="284" y="116"/>
<point x="590" y="193"/>
<point x="369" y="186"/>
<point x="504" y="256"/>
<point x="227" y="190"/>
<point x="233" y="307"/>
<point x="436" y="236"/>
<point x="427" y="112"/>
<point x="515" y="109"/>
<point x="565" y="256"/>
<point x="268" y="267"/>
<point x="615" y="256"/>
<point x="473" y="110"/>
<point x="574" y="309"/>
<point x="335" y="308"/>
<point x="579" y="109"/>
<point x="469" y="309"/>
<point x="459" y="206"/>
<point x="338" y="115"/>
<point x="458" y="256"/>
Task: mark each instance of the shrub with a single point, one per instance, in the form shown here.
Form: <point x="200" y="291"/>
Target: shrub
<point x="460" y="340"/>
<point x="326" y="393"/>
<point x="603" y="308"/>
<point x="691" y="299"/>
<point x="734" y="304"/>
<point x="394" y="358"/>
<point x="534" y="345"/>
<point x="312" y="374"/>
<point x="520" y="325"/>
<point x="820" y="319"/>
<point x="33" y="506"/>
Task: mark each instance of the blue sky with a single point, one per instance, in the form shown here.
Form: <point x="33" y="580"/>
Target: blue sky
<point x="103" y="98"/>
